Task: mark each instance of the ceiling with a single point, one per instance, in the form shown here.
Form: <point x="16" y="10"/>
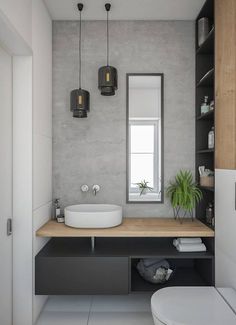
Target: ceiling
<point x="126" y="9"/>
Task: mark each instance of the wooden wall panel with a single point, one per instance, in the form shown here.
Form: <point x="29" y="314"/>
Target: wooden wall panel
<point x="225" y="84"/>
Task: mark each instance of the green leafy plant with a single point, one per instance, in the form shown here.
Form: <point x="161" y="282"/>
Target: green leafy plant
<point x="143" y="186"/>
<point x="183" y="193"/>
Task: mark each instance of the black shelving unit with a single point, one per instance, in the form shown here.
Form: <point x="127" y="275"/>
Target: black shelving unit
<point x="207" y="116"/>
<point x="205" y="77"/>
<point x="208" y="46"/>
<point x="207" y="80"/>
<point x="205" y="151"/>
<point x="67" y="266"/>
<point x="207" y="188"/>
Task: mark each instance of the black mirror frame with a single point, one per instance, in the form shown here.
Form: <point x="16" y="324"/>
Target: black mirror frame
<point x="127" y="137"/>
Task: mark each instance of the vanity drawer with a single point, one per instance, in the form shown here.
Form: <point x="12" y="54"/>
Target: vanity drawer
<point x="81" y="275"/>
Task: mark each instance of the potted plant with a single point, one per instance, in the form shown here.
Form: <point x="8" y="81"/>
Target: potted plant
<point x="143" y="187"/>
<point x="184" y="194"/>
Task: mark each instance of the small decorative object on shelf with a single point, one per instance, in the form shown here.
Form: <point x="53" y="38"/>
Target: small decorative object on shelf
<point x="143" y="187"/>
<point x="209" y="214"/>
<point x="212" y="105"/>
<point x="203" y="30"/>
<point x="60" y="219"/>
<point x="206" y="177"/>
<point x="211" y="138"/>
<point x="207" y="181"/>
<point x="57" y="209"/>
<point x="205" y="106"/>
<point x="184" y="194"/>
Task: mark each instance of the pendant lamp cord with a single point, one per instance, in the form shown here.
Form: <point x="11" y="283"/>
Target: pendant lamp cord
<point x="107" y="40"/>
<point x="80" y="51"/>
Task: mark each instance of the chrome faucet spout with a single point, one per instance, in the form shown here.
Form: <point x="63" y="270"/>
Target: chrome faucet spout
<point x="96" y="189"/>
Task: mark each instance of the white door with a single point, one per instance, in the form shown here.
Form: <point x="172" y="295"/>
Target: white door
<point x="5" y="187"/>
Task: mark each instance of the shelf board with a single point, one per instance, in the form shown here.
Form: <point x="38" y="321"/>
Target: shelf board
<point x="208" y="46"/>
<point x="207" y="188"/>
<point x="205" y="151"/>
<point x="207" y="116"/>
<point x="207" y="224"/>
<point x="207" y="10"/>
<point x="117" y="247"/>
<point x="207" y="80"/>
<point x="183" y="276"/>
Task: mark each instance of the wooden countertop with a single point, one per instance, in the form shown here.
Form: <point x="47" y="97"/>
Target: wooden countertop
<point x="132" y="227"/>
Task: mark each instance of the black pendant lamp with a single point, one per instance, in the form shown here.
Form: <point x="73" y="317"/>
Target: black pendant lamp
<point x="107" y="75"/>
<point x="79" y="98"/>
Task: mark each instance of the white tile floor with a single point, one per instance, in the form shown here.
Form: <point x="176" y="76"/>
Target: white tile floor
<point x="97" y="310"/>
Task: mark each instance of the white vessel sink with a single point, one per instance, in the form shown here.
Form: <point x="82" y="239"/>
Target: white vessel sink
<point x="93" y="215"/>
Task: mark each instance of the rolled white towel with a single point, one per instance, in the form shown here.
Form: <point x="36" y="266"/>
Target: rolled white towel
<point x="187" y="241"/>
<point x="191" y="247"/>
<point x="190" y="240"/>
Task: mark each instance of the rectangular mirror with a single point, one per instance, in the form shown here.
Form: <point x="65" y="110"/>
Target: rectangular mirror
<point x="145" y="138"/>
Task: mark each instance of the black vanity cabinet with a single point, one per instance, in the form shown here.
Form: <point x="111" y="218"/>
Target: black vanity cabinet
<point x="81" y="275"/>
<point x="69" y="266"/>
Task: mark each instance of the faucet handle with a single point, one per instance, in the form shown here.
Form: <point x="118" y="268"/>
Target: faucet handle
<point x="84" y="188"/>
<point x="96" y="188"/>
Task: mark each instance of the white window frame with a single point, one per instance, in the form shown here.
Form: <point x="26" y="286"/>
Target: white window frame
<point x="156" y="153"/>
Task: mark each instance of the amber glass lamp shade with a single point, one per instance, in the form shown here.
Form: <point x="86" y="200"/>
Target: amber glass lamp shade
<point x="79" y="102"/>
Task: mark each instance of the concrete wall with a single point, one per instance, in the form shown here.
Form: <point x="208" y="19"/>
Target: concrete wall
<point x="93" y="150"/>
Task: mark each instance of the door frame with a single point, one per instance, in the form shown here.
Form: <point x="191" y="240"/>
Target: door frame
<point x="7" y="187"/>
<point x="21" y="53"/>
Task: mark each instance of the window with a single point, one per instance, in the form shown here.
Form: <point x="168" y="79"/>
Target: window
<point x="144" y="154"/>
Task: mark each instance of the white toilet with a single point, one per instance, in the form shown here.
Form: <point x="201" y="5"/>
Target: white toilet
<point x="194" y="306"/>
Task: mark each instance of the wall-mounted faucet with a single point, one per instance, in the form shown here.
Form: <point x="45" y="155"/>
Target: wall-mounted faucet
<point x="96" y="188"/>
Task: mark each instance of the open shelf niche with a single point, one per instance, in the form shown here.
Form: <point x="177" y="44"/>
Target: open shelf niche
<point x="205" y="79"/>
<point x="186" y="272"/>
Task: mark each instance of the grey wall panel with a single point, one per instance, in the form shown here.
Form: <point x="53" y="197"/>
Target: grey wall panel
<point x="93" y="150"/>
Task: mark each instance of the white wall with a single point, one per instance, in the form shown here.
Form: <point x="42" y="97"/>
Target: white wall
<point x="22" y="190"/>
<point x="26" y="32"/>
<point x="5" y="186"/>
<point x="225" y="232"/>
<point x="19" y="13"/>
<point x="42" y="128"/>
